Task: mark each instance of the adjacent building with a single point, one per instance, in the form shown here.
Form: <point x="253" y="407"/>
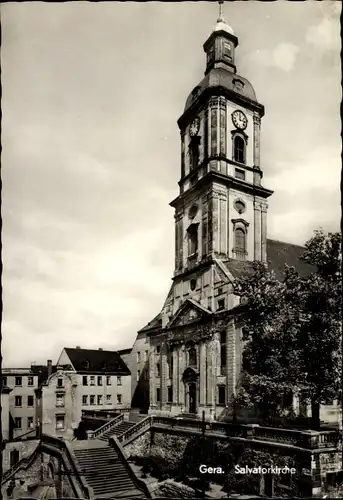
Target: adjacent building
<point x="22" y="384"/>
<point x="85" y="379"/>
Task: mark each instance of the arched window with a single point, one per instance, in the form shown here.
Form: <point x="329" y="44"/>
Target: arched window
<point x="239" y="240"/>
<point x="239" y="149"/>
<point x="192" y="239"/>
<point x="192" y="353"/>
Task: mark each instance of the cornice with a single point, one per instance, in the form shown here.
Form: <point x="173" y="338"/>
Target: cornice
<point x="217" y="91"/>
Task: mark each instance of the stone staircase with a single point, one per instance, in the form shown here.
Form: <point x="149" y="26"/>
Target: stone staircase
<point x="105" y="472"/>
<point x="117" y="430"/>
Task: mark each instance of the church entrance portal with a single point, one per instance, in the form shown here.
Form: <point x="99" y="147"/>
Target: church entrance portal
<point x="192" y="398"/>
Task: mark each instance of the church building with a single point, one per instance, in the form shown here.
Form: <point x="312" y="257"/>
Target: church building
<point x="195" y="342"/>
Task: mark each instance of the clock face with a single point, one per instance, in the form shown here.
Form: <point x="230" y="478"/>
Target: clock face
<point x="239" y="119"/>
<point x="194" y="128"/>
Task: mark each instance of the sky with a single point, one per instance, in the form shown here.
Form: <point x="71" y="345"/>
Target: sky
<point x="91" y="152"/>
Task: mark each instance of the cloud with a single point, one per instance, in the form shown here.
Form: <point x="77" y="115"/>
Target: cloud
<point x="282" y="57"/>
<point x="325" y="35"/>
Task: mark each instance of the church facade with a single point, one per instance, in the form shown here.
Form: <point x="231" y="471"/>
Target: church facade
<point x="195" y="342"/>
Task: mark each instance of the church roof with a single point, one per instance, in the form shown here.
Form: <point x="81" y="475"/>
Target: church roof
<point x="221" y="77"/>
<point x="154" y="323"/>
<point x="222" y="25"/>
<point x="280" y="253"/>
<point x="97" y="361"/>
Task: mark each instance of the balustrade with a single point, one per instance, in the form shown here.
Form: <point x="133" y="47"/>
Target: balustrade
<point x="108" y="425"/>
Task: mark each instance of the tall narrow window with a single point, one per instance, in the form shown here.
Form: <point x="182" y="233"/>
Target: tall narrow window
<point x="239" y="149"/>
<point x="158" y="370"/>
<point x="194" y="153"/>
<point x="223" y="352"/>
<point x="240" y="240"/>
<point x="192" y="353"/>
<point x="192" y="239"/>
<point x="171" y="365"/>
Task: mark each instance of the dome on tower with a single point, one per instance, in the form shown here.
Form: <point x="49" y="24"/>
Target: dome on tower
<point x="221" y="25"/>
<point x="221" y="78"/>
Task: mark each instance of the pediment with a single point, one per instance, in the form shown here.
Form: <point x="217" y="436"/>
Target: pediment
<point x="189" y="312"/>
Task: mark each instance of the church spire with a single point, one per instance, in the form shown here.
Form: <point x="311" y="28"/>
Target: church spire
<point x="221" y="17"/>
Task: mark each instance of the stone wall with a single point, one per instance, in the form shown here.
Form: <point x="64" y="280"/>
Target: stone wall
<point x="25" y="449"/>
<point x="139" y="447"/>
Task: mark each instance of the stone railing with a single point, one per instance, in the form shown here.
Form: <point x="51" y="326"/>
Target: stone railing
<point x="61" y="449"/>
<point x="70" y="465"/>
<point x="254" y="432"/>
<point x="135" y="430"/>
<point x="23" y="464"/>
<point x="139" y="483"/>
<point x="100" y="414"/>
<point x="108" y="425"/>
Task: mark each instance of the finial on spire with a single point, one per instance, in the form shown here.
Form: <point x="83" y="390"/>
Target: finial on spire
<point x="221" y="17"/>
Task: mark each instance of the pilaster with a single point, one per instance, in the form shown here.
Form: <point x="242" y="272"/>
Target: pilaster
<point x="152" y="377"/>
<point x="223" y="222"/>
<point x="264" y="208"/>
<point x="175" y="376"/>
<point x="182" y="367"/>
<point x="164" y="375"/>
<point x="203" y="374"/>
<point x="231" y="361"/>
<point x="257" y="230"/>
<point x="257" y="134"/>
<point x="211" y="376"/>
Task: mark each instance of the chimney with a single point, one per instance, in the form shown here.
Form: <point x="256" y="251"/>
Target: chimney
<point x="78" y="347"/>
<point x="49" y="364"/>
<point x="100" y="349"/>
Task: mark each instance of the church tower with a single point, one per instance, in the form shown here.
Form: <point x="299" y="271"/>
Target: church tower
<point x="221" y="210"/>
<point x="220" y="229"/>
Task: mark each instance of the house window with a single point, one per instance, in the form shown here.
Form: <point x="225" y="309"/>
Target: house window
<point x="92" y="380"/>
<point x="158" y="349"/>
<point x="60" y="422"/>
<point x="138" y="357"/>
<point x="138" y="375"/>
<point x="158" y="395"/>
<point x="193" y="284"/>
<point x="118" y="380"/>
<point x="119" y="399"/>
<point x="240" y="240"/>
<point x="18" y="381"/>
<point x="146" y="374"/>
<point x="192" y="354"/>
<point x="59" y="400"/>
<point x="30" y="401"/>
<point x="108" y="399"/>
<point x="223" y="352"/>
<point x="239" y="149"/>
<point x="108" y="380"/>
<point x="99" y="380"/>
<point x="84" y="400"/>
<point x="29" y="422"/>
<point x="17" y="423"/>
<point x="158" y="370"/>
<point x="86" y="364"/>
<point x="99" y="399"/>
<point x="221" y="304"/>
<point x="170" y="394"/>
<point x="240" y="174"/>
<point x="18" y="401"/>
<point x="192" y="239"/>
<point x="92" y="400"/>
<point x="60" y="382"/>
<point x="29" y="380"/>
<point x="85" y="380"/>
<point x="145" y="356"/>
<point x="221" y="395"/>
<point x="4" y="381"/>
